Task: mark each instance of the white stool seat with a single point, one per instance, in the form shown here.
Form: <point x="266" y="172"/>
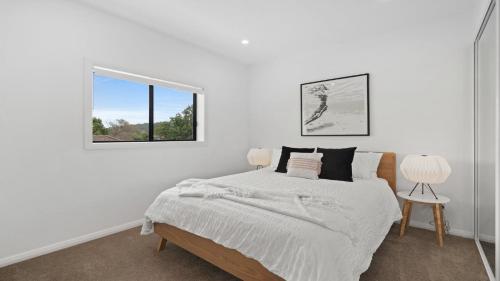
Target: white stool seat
<point x="427" y="197"/>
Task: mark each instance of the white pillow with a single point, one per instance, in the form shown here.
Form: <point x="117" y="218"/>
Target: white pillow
<point x="365" y="165"/>
<point x="304" y="165"/>
<point x="275" y="158"/>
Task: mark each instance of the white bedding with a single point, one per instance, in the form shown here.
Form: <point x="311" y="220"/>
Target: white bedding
<point x="333" y="238"/>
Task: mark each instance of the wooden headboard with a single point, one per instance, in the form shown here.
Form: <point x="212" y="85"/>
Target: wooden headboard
<point x="387" y="169"/>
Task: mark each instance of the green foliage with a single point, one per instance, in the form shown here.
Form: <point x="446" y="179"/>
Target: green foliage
<point x="179" y="127"/>
<point x="123" y="130"/>
<point x="98" y="128"/>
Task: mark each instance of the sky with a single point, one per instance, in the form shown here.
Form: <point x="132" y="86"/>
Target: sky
<point x="121" y="99"/>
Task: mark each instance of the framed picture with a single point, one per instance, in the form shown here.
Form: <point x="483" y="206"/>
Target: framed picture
<point x="335" y="107"/>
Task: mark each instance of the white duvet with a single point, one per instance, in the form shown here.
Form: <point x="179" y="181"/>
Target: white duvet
<point x="300" y="229"/>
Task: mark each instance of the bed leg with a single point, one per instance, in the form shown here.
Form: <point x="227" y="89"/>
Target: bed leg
<point x="162" y="244"/>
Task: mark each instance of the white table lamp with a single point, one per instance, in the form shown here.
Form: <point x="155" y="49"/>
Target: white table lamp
<point x="259" y="157"/>
<point x="425" y="170"/>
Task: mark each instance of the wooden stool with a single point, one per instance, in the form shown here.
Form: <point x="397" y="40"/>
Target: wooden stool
<point x="428" y="199"/>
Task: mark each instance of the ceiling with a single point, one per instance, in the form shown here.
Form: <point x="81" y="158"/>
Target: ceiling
<point x="277" y="27"/>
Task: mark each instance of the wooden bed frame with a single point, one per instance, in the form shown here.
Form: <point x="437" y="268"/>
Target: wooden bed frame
<point x="233" y="261"/>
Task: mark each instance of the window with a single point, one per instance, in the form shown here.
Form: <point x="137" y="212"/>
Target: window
<point x="120" y="110"/>
<point x="174" y="114"/>
<point x="128" y="109"/>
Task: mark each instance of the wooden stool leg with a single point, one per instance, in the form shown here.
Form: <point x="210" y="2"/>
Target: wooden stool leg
<point x="162" y="244"/>
<point x="438" y="221"/>
<point x="406" y="217"/>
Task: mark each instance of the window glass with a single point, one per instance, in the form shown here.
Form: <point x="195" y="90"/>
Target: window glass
<point x="173" y="114"/>
<point x="120" y="110"/>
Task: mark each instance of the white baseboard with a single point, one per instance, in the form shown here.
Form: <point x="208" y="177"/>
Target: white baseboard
<point x="453" y="231"/>
<point x="115" y="229"/>
<point x="67" y="243"/>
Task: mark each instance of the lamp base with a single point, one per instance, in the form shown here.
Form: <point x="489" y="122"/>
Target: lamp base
<point x="423" y="185"/>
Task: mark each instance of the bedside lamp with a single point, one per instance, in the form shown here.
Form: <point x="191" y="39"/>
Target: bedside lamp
<point x="259" y="157"/>
<point x="425" y="170"/>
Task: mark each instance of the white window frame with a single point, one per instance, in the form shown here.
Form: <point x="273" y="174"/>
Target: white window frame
<point x="91" y="68"/>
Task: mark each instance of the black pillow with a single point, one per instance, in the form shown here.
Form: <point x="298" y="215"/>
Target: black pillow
<point x="336" y="163"/>
<point x="285" y="155"/>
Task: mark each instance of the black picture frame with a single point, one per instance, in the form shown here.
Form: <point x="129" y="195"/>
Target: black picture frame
<point x="302" y="125"/>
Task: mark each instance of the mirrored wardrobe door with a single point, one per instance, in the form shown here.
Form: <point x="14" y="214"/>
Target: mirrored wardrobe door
<point x="486" y="75"/>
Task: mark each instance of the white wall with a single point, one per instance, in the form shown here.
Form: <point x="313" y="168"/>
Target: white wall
<point x="421" y="101"/>
<point x="51" y="189"/>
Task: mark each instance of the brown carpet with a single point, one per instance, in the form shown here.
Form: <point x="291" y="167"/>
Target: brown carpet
<point x="129" y="256"/>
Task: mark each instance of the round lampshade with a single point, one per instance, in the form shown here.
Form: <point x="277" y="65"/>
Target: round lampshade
<point x="259" y="157"/>
<point x="430" y="169"/>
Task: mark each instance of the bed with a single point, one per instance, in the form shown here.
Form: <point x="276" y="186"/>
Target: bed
<point x="332" y="238"/>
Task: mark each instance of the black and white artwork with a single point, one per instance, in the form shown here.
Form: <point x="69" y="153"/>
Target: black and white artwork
<point x="336" y="107"/>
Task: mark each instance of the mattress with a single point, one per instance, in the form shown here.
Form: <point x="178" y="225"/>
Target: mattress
<point x="358" y="216"/>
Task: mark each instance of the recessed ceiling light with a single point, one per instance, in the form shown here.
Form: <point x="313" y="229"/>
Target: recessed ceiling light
<point x="245" y="42"/>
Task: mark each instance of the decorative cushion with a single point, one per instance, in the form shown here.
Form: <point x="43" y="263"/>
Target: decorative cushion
<point x="304" y="165"/>
<point x="365" y="164"/>
<point x="285" y="155"/>
<point x="337" y="163"/>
